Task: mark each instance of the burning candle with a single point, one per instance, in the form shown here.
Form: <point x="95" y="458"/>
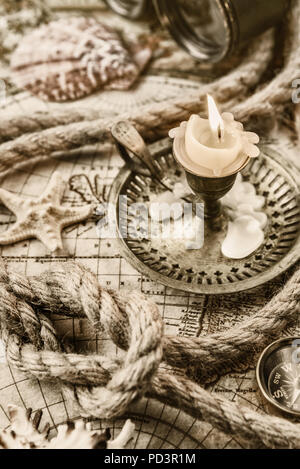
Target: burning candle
<point x="213" y="143"/>
<point x="215" y="146"/>
<point x="212" y="152"/>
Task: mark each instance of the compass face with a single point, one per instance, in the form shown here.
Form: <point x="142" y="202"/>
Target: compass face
<point x="278" y="374"/>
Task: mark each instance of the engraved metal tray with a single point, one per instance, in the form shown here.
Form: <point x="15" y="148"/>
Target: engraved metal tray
<point x="206" y="270"/>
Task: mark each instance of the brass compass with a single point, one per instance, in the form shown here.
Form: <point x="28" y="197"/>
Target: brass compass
<point x="278" y="375"/>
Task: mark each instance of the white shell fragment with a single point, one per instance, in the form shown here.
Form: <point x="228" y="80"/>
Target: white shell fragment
<point x="261" y="217"/>
<point x="181" y="190"/>
<point x="243" y="193"/>
<point x="244" y="236"/>
<point x="245" y="233"/>
<point x="23" y="433"/>
<point x="165" y="206"/>
<point x="124" y="436"/>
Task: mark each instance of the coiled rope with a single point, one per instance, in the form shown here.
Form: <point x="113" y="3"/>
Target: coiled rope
<point x="104" y="387"/>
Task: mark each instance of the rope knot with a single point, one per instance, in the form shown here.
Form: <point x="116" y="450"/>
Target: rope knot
<point x="140" y="332"/>
<point x="132" y="322"/>
<point x="104" y="386"/>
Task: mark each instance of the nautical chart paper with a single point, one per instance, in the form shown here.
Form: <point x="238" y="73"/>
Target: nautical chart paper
<point x="157" y="426"/>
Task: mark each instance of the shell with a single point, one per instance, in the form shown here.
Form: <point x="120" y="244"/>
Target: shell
<point x="245" y="232"/>
<point x="244" y="237"/>
<point x="24" y="433"/>
<point x="19" y="17"/>
<point x="74" y="57"/>
<point x="43" y="217"/>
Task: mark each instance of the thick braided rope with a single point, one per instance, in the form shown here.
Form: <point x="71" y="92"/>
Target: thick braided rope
<point x="232" y="86"/>
<point x="129" y="320"/>
<point x="265" y="101"/>
<point x="156" y="120"/>
<point x="37" y="136"/>
<point x="204" y="357"/>
<point x="207" y="358"/>
<point x="144" y="351"/>
<point x="258" y="430"/>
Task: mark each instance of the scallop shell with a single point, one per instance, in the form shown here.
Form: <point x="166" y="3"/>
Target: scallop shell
<point x="74" y="57"/>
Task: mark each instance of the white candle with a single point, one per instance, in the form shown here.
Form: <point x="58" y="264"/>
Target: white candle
<point x="213" y="147"/>
<point x="212" y="143"/>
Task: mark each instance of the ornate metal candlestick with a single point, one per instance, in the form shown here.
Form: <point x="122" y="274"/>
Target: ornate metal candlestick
<point x="211" y="167"/>
<point x="210" y="190"/>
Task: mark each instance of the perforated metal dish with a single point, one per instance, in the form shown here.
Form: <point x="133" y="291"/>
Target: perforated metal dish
<point x="206" y="270"/>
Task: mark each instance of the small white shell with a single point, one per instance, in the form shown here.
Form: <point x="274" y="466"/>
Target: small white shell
<point x="164" y="206"/>
<point x="244" y="236"/>
<point x="261" y="217"/>
<point x="243" y="193"/>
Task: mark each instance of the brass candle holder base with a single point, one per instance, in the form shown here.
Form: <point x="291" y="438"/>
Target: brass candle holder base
<point x="210" y="191"/>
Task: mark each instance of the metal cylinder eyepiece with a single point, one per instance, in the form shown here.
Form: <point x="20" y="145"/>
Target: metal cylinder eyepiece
<point x="211" y="30"/>
<point x="131" y="9"/>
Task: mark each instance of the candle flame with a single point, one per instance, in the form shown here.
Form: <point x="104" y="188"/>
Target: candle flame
<point x="215" y="120"/>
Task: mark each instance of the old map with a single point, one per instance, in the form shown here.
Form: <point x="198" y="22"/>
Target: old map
<point x="157" y="426"/>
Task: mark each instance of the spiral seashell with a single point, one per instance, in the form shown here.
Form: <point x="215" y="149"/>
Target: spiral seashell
<point x="73" y="57"/>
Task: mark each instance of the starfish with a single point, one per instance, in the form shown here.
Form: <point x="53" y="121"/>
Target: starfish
<point x="42" y="218"/>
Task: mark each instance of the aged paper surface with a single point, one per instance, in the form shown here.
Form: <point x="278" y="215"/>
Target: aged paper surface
<point x="157" y="425"/>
